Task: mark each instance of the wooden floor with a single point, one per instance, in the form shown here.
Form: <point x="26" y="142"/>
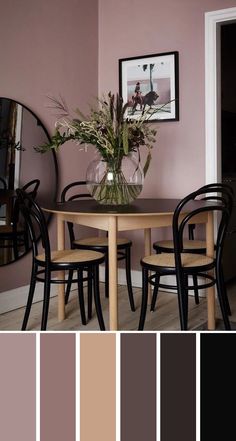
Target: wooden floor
<point x="164" y="318"/>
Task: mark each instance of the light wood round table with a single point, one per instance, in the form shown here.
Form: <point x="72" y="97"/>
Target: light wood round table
<point x="142" y="214"/>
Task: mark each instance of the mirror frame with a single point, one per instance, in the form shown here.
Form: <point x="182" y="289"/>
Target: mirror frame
<point x="55" y="192"/>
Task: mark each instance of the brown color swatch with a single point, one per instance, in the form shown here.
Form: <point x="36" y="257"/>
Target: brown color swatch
<point x="97" y="387"/>
<point x="18" y="387"/>
<point x="57" y="385"/>
<point x="178" y="387"/>
<point x="138" y="387"/>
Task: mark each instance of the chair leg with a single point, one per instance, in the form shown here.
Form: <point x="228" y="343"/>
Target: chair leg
<point x="224" y="291"/>
<point x="68" y="286"/>
<point x="144" y="299"/>
<point x="185" y="300"/>
<point x="81" y="296"/>
<point x="30" y="297"/>
<point x="222" y="299"/>
<point x="181" y="301"/>
<point x="106" y="276"/>
<point x="155" y="292"/>
<point x="90" y="293"/>
<point x="46" y="299"/>
<point x="97" y="300"/>
<point x="128" y="279"/>
<point x="195" y="284"/>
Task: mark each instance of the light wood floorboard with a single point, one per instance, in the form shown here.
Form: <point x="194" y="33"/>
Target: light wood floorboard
<point x="165" y="316"/>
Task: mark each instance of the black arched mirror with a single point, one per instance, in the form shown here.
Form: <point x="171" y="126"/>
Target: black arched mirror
<point x="20" y="132"/>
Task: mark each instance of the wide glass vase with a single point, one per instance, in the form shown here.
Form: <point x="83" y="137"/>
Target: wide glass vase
<point x="115" y="182"/>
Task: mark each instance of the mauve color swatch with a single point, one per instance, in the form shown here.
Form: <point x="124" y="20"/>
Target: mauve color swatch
<point x="218" y="386"/>
<point x="138" y="387"/>
<point x="18" y="387"/>
<point x="57" y="387"/>
<point x="97" y="387"/>
<point x="178" y="387"/>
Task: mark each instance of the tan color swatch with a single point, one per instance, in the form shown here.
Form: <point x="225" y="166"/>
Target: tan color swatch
<point x="97" y="387"/>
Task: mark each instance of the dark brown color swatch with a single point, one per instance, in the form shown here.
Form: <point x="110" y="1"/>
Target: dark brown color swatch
<point x="138" y="387"/>
<point x="57" y="387"/>
<point x="178" y="387"/>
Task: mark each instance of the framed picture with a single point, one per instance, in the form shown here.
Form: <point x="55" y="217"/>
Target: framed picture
<point x="150" y="86"/>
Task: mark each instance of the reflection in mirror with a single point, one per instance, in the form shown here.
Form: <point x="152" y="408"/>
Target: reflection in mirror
<point x="20" y="132"/>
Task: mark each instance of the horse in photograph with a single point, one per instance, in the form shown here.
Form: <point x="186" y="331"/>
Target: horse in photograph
<point x="143" y="101"/>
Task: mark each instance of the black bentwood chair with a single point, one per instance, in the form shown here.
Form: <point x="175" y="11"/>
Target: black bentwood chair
<point x="46" y="263"/>
<point x="184" y="264"/>
<point x="192" y="245"/>
<point x="15" y="235"/>
<point x="97" y="243"/>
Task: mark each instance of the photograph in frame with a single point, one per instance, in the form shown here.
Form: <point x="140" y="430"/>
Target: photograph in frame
<point x="150" y="85"/>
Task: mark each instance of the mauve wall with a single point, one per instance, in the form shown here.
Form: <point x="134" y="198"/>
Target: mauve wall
<point x="51" y="47"/>
<point x="137" y="28"/>
<point x="48" y="47"/>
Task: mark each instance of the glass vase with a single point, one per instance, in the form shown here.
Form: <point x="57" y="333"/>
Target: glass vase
<point x="115" y="183"/>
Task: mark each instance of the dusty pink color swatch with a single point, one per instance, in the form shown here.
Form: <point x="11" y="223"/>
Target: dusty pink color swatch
<point x="97" y="387"/>
<point x="18" y="387"/>
<point x="57" y="385"/>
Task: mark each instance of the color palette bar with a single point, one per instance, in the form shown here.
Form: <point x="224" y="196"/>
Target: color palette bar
<point x="123" y="395"/>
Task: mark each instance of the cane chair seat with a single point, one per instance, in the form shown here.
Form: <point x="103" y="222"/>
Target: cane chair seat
<point x="189" y="260"/>
<point x="196" y="245"/>
<point x="71" y="256"/>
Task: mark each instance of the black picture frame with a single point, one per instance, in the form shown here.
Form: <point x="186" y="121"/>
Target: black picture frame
<point x="148" y="83"/>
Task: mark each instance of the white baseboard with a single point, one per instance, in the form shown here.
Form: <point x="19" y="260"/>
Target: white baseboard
<point x="17" y="298"/>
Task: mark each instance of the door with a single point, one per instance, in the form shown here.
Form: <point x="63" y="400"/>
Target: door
<point x="228" y="135"/>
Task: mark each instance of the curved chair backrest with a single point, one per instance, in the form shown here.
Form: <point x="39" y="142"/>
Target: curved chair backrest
<point x="217" y="198"/>
<point x="215" y="187"/>
<point x="73" y="185"/>
<point x="36" y="222"/>
<point x="66" y="196"/>
<point x="31" y="187"/>
<point x="3" y="184"/>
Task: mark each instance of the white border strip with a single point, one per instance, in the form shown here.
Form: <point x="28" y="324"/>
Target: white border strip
<point x="37" y="337"/>
<point x="158" y="386"/>
<point x="198" y="385"/>
<point x="77" y="386"/>
<point x="118" y="373"/>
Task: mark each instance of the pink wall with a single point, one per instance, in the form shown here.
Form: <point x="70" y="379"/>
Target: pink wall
<point x="49" y="47"/>
<point x="52" y="47"/>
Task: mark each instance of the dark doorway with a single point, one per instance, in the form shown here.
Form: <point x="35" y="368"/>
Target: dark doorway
<point x="228" y="136"/>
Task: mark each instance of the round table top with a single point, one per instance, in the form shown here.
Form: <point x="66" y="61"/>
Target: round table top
<point x="137" y="207"/>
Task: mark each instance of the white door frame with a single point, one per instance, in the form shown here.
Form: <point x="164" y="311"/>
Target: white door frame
<point x="213" y="20"/>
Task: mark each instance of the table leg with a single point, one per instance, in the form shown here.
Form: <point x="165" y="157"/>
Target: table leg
<point x="210" y="291"/>
<point x="112" y="262"/>
<point x="147" y="252"/>
<point x="61" y="274"/>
